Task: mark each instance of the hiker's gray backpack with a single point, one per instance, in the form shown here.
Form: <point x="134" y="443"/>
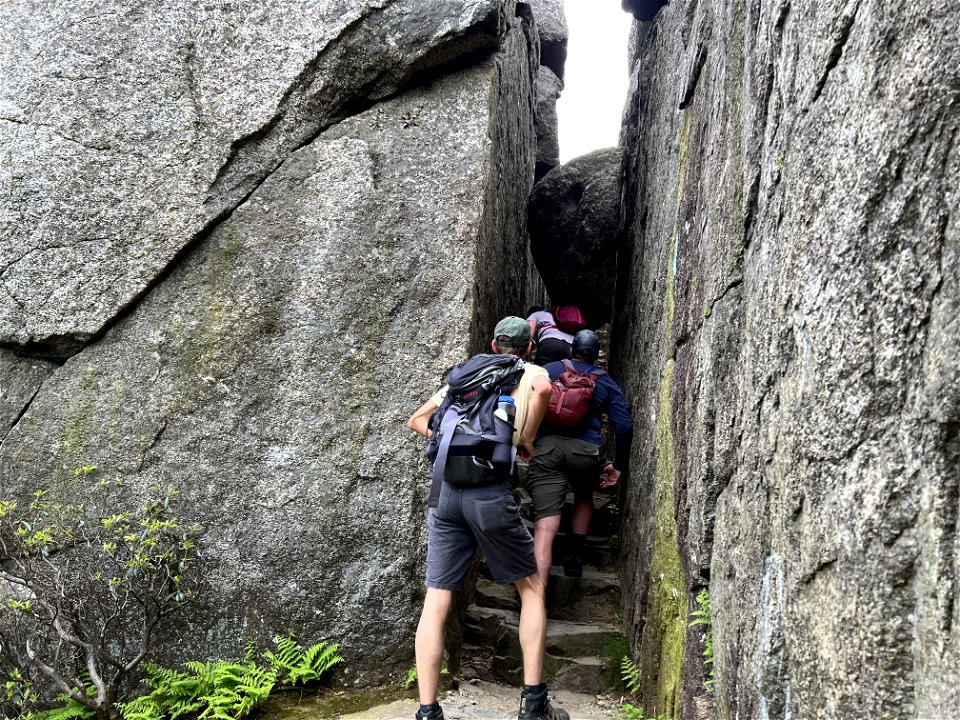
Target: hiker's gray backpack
<point x="469" y="444"/>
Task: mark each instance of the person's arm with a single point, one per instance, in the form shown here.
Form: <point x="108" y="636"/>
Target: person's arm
<point x="420" y="420"/>
<point x="538" y="407"/>
<point x="619" y="416"/>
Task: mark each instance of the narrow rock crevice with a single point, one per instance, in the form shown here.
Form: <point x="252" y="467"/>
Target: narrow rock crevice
<point x="153" y="443"/>
<point x="750" y="210"/>
<point x="55" y="131"/>
<point x="737" y="282"/>
<point x="693" y="79"/>
<point x="13" y="379"/>
<point x="836" y="52"/>
<point x="300" y="111"/>
<point x="297" y="92"/>
<point x="59" y="348"/>
<point x="19" y="417"/>
<point x="950" y="444"/>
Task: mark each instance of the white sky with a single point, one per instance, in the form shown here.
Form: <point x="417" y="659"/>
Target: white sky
<point x="595" y="76"/>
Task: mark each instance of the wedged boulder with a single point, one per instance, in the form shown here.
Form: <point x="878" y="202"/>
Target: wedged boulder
<point x="575" y="230"/>
<point x="552" y="28"/>
<point x="644" y="10"/>
<point x="548" y="138"/>
<point x="131" y="130"/>
<point x="270" y="374"/>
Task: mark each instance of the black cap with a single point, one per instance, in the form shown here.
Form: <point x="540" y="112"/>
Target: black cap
<point x="586" y="343"/>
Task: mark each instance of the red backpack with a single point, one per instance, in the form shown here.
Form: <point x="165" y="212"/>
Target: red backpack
<point x="571" y="397"/>
<point x="568" y="319"/>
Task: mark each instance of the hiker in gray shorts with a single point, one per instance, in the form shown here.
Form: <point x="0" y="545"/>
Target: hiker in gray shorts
<point x="573" y="459"/>
<point x="488" y="517"/>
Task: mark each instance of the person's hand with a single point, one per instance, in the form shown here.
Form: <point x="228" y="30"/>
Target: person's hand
<point x="612" y="477"/>
<point x="525" y="450"/>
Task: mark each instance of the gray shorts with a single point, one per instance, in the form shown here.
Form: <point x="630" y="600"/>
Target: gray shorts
<point x="561" y="464"/>
<point x="468" y="517"/>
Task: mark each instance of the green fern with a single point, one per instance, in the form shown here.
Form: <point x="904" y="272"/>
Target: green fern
<point x="412" y="676"/>
<point x="223" y="690"/>
<point x="72" y="710"/>
<point x="293" y="664"/>
<point x="702" y="616"/>
<point x="630" y="675"/>
<point x="285" y="660"/>
<point x="635" y="712"/>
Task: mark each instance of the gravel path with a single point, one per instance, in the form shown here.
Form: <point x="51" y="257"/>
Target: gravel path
<point x="476" y="700"/>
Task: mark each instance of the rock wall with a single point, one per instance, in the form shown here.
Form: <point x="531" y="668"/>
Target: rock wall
<point x="787" y="331"/>
<point x="254" y="237"/>
<point x="133" y="131"/>
<point x="551" y="26"/>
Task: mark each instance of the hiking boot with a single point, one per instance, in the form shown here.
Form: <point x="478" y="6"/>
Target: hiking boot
<point x="540" y="709"/>
<point x="573" y="562"/>
<point x="434" y="714"/>
<point x="573" y="566"/>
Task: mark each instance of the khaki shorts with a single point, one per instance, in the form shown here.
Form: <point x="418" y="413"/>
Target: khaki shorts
<point x="560" y="464"/>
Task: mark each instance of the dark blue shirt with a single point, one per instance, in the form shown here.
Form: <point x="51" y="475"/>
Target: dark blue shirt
<point x="607" y="398"/>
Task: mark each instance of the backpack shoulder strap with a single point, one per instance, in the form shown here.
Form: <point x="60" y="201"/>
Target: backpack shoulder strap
<point x="568" y="364"/>
<point x="543" y="326"/>
<point x="446" y="424"/>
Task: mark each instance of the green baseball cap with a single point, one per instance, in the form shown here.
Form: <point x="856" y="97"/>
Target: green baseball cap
<point x="512" y="331"/>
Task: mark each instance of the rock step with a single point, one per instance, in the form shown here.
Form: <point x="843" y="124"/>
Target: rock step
<point x="599" y="551"/>
<point x="605" y="521"/>
<point x="575" y="652"/>
<point x="595" y="597"/>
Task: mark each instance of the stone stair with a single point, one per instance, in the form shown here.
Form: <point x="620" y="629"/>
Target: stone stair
<point x="581" y="612"/>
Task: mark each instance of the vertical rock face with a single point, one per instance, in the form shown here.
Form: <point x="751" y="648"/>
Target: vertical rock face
<point x="270" y="366"/>
<point x="552" y="31"/>
<point x="20" y="379"/>
<point x="549" y="87"/>
<point x="789" y="297"/>
<point x="551" y="27"/>
<point x="133" y="130"/>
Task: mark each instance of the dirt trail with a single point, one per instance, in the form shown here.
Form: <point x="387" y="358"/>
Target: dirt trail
<point x="477" y="700"/>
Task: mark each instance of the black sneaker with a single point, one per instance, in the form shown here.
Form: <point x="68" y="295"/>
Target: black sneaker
<point x="540" y="709"/>
<point x="436" y="714"/>
<point x="573" y="566"/>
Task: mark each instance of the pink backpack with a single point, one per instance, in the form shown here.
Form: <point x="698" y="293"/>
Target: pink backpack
<point x="568" y="319"/>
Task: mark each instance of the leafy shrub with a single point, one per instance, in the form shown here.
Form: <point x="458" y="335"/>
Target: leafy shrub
<point x="86" y="586"/>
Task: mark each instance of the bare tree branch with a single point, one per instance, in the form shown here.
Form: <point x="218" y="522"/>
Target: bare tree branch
<point x="90" y="587"/>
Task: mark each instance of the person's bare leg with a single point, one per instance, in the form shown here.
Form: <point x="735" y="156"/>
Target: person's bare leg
<point x="429" y="644"/>
<point x="533" y="627"/>
<point x="582" y="514"/>
<point x="544" y="531"/>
